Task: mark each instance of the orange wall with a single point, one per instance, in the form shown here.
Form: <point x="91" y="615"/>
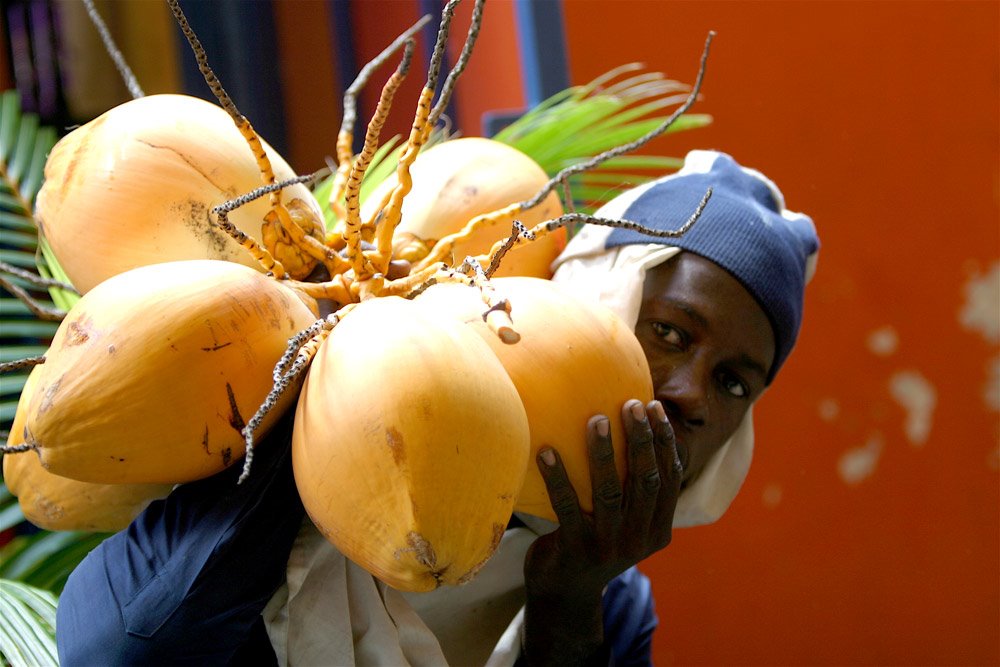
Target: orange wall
<point x="854" y="541"/>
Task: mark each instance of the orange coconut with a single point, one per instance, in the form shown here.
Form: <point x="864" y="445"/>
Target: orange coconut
<point x="152" y="375"/>
<point x="58" y="503"/>
<point x="574" y="360"/>
<point x="459" y="179"/>
<point x="409" y="445"/>
<point x="135" y="186"/>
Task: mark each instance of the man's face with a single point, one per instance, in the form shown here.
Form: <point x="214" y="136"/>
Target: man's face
<point x="709" y="346"/>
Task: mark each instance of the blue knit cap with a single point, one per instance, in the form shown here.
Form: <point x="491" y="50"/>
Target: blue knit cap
<point x="744" y="228"/>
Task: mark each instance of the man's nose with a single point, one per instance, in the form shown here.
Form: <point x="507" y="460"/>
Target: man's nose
<point x="685" y="394"/>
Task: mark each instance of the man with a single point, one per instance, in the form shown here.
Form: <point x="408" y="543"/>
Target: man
<point x="218" y="574"/>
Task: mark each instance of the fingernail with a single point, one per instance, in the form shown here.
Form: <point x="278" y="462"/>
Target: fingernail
<point x="638" y="411"/>
<point x="548" y="457"/>
<point x="658" y="411"/>
<point x="603" y="428"/>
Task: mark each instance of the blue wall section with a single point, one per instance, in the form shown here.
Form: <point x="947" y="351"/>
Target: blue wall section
<point x="242" y="48"/>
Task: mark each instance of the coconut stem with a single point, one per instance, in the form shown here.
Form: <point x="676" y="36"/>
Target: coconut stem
<point x="345" y="138"/>
<point x="463" y="60"/>
<point x="302" y="347"/>
<point x="17" y="449"/>
<point x="548" y="226"/>
<point x="38" y="309"/>
<point x="109" y="45"/>
<point x="21" y="364"/>
<point x="393" y="210"/>
<point x="256" y="250"/>
<point x="517" y="229"/>
<point x="446" y="244"/>
<point x="352" y="231"/>
<point x="279" y="217"/>
<point x="36" y="279"/>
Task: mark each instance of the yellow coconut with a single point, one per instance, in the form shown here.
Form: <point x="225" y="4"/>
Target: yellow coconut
<point x="574" y="360"/>
<point x="409" y="445"/>
<point x="57" y="503"/>
<point x="460" y="179"/>
<point x="152" y="375"/>
<point x="135" y="187"/>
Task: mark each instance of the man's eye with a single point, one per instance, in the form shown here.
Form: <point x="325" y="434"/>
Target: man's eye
<point x="734" y="386"/>
<point x="668" y="333"/>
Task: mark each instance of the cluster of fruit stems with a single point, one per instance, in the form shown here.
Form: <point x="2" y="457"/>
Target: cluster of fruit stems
<point x="357" y="274"/>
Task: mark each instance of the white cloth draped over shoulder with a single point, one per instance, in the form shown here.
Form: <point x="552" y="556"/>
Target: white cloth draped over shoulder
<point x="331" y="612"/>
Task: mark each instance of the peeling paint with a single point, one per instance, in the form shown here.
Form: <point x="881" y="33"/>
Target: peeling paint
<point x="884" y="341"/>
<point x="919" y="398"/>
<point x="991" y="392"/>
<point x="859" y="463"/>
<point x="829" y="409"/>
<point x="771" y="495"/>
<point x="981" y="310"/>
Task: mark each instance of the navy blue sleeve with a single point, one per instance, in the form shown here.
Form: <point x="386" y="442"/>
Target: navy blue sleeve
<point x="186" y="582"/>
<point x="629" y="619"/>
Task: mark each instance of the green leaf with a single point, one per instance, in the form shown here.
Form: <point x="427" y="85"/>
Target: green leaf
<point x="10" y="114"/>
<point x="582" y="122"/>
<point x="13" y="220"/>
<point x="29" y="329"/>
<point x="27" y="625"/>
<point x="46" y="559"/>
<point x="50" y="268"/>
<point x="32" y="181"/>
<point x="7" y="411"/>
<point x="12" y="384"/>
<point x="11" y="514"/>
<point x="10" y="201"/>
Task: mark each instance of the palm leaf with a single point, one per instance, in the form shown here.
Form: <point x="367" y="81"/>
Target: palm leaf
<point x="27" y="625"/>
<point x="24" y="147"/>
<point x="46" y="558"/>
<point x="616" y="108"/>
<point x="40" y="558"/>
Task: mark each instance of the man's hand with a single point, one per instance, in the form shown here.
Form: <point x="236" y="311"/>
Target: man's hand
<point x="567" y="570"/>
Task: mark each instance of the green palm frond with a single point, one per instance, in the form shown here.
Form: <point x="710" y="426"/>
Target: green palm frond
<point x="581" y="122"/>
<point x="40" y="558"/>
<point x="27" y="625"/>
<point x="45" y="559"/>
<point x="24" y="147"/>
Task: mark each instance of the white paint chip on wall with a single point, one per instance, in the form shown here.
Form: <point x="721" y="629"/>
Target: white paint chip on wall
<point x="991" y="393"/>
<point x="981" y="310"/>
<point x="829" y="409"/>
<point x="884" y="341"/>
<point x="859" y="463"/>
<point x="771" y="495"/>
<point x="919" y="398"/>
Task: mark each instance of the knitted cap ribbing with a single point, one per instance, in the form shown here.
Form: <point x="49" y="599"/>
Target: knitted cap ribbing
<point x="744" y="228"/>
